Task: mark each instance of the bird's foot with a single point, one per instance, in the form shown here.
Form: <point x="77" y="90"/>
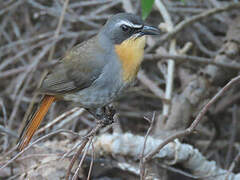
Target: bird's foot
<point x="104" y="116"/>
<point x="107" y="116"/>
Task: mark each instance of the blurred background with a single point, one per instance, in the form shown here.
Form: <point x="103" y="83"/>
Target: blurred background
<point x="182" y="70"/>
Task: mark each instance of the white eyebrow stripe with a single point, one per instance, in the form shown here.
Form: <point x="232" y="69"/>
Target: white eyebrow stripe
<point x="128" y="23"/>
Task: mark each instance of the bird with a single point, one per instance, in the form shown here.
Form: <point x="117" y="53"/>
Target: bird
<point x="95" y="72"/>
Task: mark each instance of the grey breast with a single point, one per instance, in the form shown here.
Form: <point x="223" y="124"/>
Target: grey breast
<point x="107" y="86"/>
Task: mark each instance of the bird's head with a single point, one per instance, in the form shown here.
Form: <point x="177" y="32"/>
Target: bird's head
<point x="126" y="33"/>
<point x="125" y="26"/>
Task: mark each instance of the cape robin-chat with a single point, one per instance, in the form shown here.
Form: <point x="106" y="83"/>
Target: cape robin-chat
<point x="95" y="72"/>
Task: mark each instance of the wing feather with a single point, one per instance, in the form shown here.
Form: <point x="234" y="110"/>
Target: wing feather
<point x="79" y="68"/>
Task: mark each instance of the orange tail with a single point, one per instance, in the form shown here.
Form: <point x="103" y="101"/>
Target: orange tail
<point x="34" y="122"/>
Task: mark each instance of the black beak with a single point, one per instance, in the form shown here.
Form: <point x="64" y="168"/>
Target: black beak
<point x="150" y="30"/>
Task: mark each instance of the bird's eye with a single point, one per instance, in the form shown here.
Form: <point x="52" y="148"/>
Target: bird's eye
<point x="125" y="28"/>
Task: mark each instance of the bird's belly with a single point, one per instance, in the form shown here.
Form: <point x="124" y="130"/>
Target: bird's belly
<point x="105" y="89"/>
<point x="94" y="97"/>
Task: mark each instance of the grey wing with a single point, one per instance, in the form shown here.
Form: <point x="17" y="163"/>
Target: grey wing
<point x="77" y="70"/>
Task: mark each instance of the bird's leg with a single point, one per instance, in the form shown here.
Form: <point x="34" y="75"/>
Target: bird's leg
<point x="103" y="115"/>
<point x="110" y="112"/>
<point x="97" y="113"/>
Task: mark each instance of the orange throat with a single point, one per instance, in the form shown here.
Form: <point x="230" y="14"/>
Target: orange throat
<point x="130" y="53"/>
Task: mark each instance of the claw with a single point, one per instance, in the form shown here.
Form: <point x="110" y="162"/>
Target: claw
<point x="104" y="116"/>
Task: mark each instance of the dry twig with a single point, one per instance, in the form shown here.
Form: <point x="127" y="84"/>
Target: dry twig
<point x="197" y="119"/>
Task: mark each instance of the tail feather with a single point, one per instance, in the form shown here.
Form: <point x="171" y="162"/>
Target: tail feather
<point x="34" y="122"/>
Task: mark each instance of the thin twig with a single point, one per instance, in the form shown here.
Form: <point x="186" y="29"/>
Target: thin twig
<point x="197" y="119"/>
<point x="14" y="5"/>
<point x="33" y="143"/>
<point x="85" y="140"/>
<point x="233" y="135"/>
<point x="142" y="164"/>
<point x="204" y="49"/>
<point x="193" y="59"/>
<point x="150" y="84"/>
<point x="171" y="64"/>
<point x="191" y="20"/>
<point x="59" y="26"/>
<point x="76" y="110"/>
<point x="91" y="164"/>
<point x="18" y="70"/>
<point x="5" y="130"/>
<point x="75" y="176"/>
<point x="76" y="155"/>
<point x="88" y="3"/>
<point x="233" y="164"/>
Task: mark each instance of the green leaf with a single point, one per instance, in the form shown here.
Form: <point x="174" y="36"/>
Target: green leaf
<point x="146" y="7"/>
